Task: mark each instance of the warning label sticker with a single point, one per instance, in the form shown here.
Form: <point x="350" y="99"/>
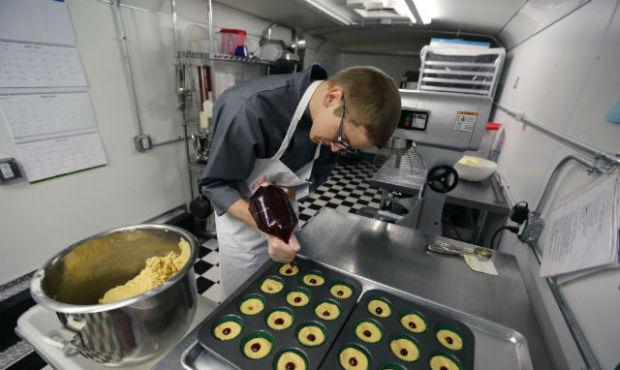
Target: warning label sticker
<point x="465" y="121"/>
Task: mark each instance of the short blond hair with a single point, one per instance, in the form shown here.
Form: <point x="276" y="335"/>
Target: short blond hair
<point x="372" y="101"/>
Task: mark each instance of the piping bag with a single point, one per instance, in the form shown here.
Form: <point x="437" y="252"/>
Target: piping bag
<point x="273" y="212"/>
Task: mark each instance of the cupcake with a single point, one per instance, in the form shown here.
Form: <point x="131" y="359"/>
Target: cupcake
<point x="257" y="345"/>
<point x="227" y="328"/>
<point x="290" y="359"/>
<point x="449" y="337"/>
<point x="443" y="361"/>
<point x="413" y="321"/>
<point x="271" y="285"/>
<point x="341" y="290"/>
<point x="368" y="330"/>
<point x="280" y="318"/>
<point x="327" y="309"/>
<point x="354" y="357"/>
<point x="405" y="348"/>
<point x="298" y="297"/>
<point x="251" y="304"/>
<point x="379" y="307"/>
<point x="314" y="278"/>
<point x="311" y="334"/>
<point x="288" y="269"/>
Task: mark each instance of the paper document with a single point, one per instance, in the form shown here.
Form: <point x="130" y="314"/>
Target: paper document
<point x="583" y="232"/>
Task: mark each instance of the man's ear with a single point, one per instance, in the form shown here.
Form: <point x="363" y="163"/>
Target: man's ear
<point x="333" y="96"/>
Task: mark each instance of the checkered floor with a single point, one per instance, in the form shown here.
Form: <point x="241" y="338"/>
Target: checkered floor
<point x="346" y="190"/>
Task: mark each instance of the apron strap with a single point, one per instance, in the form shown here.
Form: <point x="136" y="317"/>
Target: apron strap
<point x="299" y="111"/>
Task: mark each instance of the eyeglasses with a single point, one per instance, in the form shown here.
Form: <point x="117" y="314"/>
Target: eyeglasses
<point x="340" y="144"/>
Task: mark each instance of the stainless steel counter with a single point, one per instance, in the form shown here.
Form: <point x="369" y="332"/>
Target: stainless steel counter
<point x="393" y="258"/>
<point x="485" y="195"/>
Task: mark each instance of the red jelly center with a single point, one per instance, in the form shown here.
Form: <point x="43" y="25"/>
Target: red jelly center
<point x="403" y="352"/>
<point x="279" y="321"/>
<point x="449" y="340"/>
<point x="255" y="347"/>
<point x="379" y="310"/>
<point x="340" y="292"/>
<point x="367" y="333"/>
<point x="290" y="366"/>
<point x="311" y="337"/>
<point x="297" y="299"/>
<point x="289" y="271"/>
<point x="412" y="325"/>
<point x="325" y="313"/>
<point x="443" y="368"/>
<point x="312" y="281"/>
<point x="352" y="361"/>
<point x="226" y="331"/>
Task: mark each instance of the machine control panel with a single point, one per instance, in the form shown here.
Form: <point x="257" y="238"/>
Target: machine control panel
<point x="413" y="120"/>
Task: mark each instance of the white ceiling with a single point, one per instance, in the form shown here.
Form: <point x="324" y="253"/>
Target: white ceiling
<point x="485" y="17"/>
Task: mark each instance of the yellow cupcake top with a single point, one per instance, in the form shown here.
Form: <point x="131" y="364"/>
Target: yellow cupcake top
<point x="227" y="330"/>
<point x="257" y="348"/>
<point x="449" y="339"/>
<point x="251" y="306"/>
<point x="271" y="286"/>
<point x="379" y="307"/>
<point x="405" y="349"/>
<point x="280" y="319"/>
<point x="291" y="360"/>
<point x="341" y="291"/>
<point x="352" y="358"/>
<point x="313" y="279"/>
<point x="368" y="331"/>
<point x="442" y="362"/>
<point x="288" y="269"/>
<point x="327" y="310"/>
<point x="413" y="322"/>
<point x="311" y="335"/>
<point x="297" y="298"/>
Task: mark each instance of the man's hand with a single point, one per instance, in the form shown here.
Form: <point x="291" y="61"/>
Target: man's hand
<point x="281" y="251"/>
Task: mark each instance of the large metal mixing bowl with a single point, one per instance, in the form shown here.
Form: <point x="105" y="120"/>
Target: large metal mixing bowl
<point x="125" y="332"/>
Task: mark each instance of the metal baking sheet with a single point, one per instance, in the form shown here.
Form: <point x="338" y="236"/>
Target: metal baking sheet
<point x="380" y="352"/>
<point x="230" y="351"/>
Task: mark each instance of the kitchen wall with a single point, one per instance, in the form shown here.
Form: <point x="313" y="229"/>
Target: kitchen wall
<point x="562" y="71"/>
<point x="37" y="221"/>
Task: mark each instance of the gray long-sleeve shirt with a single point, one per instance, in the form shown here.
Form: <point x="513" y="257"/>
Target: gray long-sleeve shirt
<point x="250" y="122"/>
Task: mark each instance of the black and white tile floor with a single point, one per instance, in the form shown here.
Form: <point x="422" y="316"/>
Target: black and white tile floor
<point x="347" y="190"/>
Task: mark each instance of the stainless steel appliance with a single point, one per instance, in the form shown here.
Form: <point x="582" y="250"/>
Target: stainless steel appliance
<point x="416" y="169"/>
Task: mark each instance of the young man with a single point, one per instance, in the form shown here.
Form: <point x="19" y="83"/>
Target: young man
<point x="285" y="129"/>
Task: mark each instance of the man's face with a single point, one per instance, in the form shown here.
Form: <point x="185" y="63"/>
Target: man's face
<point x="326" y="124"/>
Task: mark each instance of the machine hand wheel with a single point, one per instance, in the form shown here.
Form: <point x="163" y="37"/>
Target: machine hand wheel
<point x="442" y="179"/>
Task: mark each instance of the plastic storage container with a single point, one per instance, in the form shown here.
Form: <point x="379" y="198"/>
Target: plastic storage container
<point x="230" y="39"/>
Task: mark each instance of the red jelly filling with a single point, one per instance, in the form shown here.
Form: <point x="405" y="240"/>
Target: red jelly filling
<point x="290" y="366"/>
<point x="255" y="347"/>
<point x="412" y="325"/>
<point x="325" y="313"/>
<point x="340" y="292"/>
<point x="379" y="310"/>
<point x="449" y="340"/>
<point x="279" y="321"/>
<point x="443" y="368"/>
<point x="403" y="352"/>
<point x="311" y="337"/>
<point x="289" y="271"/>
<point x="312" y="281"/>
<point x="297" y="299"/>
<point x="367" y="333"/>
<point x="226" y="331"/>
<point x="352" y="361"/>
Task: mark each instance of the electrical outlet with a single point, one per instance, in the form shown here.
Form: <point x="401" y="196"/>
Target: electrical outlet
<point x="9" y="170"/>
<point x="142" y="142"/>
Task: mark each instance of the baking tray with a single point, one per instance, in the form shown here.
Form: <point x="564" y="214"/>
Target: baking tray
<point x="390" y="326"/>
<point x="231" y="352"/>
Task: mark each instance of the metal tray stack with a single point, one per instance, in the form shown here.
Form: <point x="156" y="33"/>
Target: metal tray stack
<point x="230" y="351"/>
<point x="380" y="352"/>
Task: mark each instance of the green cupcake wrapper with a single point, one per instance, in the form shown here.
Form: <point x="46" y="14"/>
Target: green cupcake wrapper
<point x="411" y="312"/>
<point x="439" y="327"/>
<point x="370" y="299"/>
<point x="357" y="347"/>
<point x="273" y="277"/>
<point x="328" y="300"/>
<point x="451" y="357"/>
<point x="314" y="272"/>
<point x="257" y="334"/>
<point x="340" y="282"/>
<point x="374" y="322"/>
<point x="295" y="350"/>
<point x="315" y="324"/>
<point x="281" y="309"/>
<point x="224" y="319"/>
<point x="390" y="366"/>
<point x="250" y="296"/>
<point x="411" y="339"/>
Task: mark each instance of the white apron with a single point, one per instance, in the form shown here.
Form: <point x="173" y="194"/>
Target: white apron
<point x="242" y="249"/>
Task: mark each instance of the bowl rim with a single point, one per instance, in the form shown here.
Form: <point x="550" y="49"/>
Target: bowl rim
<point x="36" y="283"/>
